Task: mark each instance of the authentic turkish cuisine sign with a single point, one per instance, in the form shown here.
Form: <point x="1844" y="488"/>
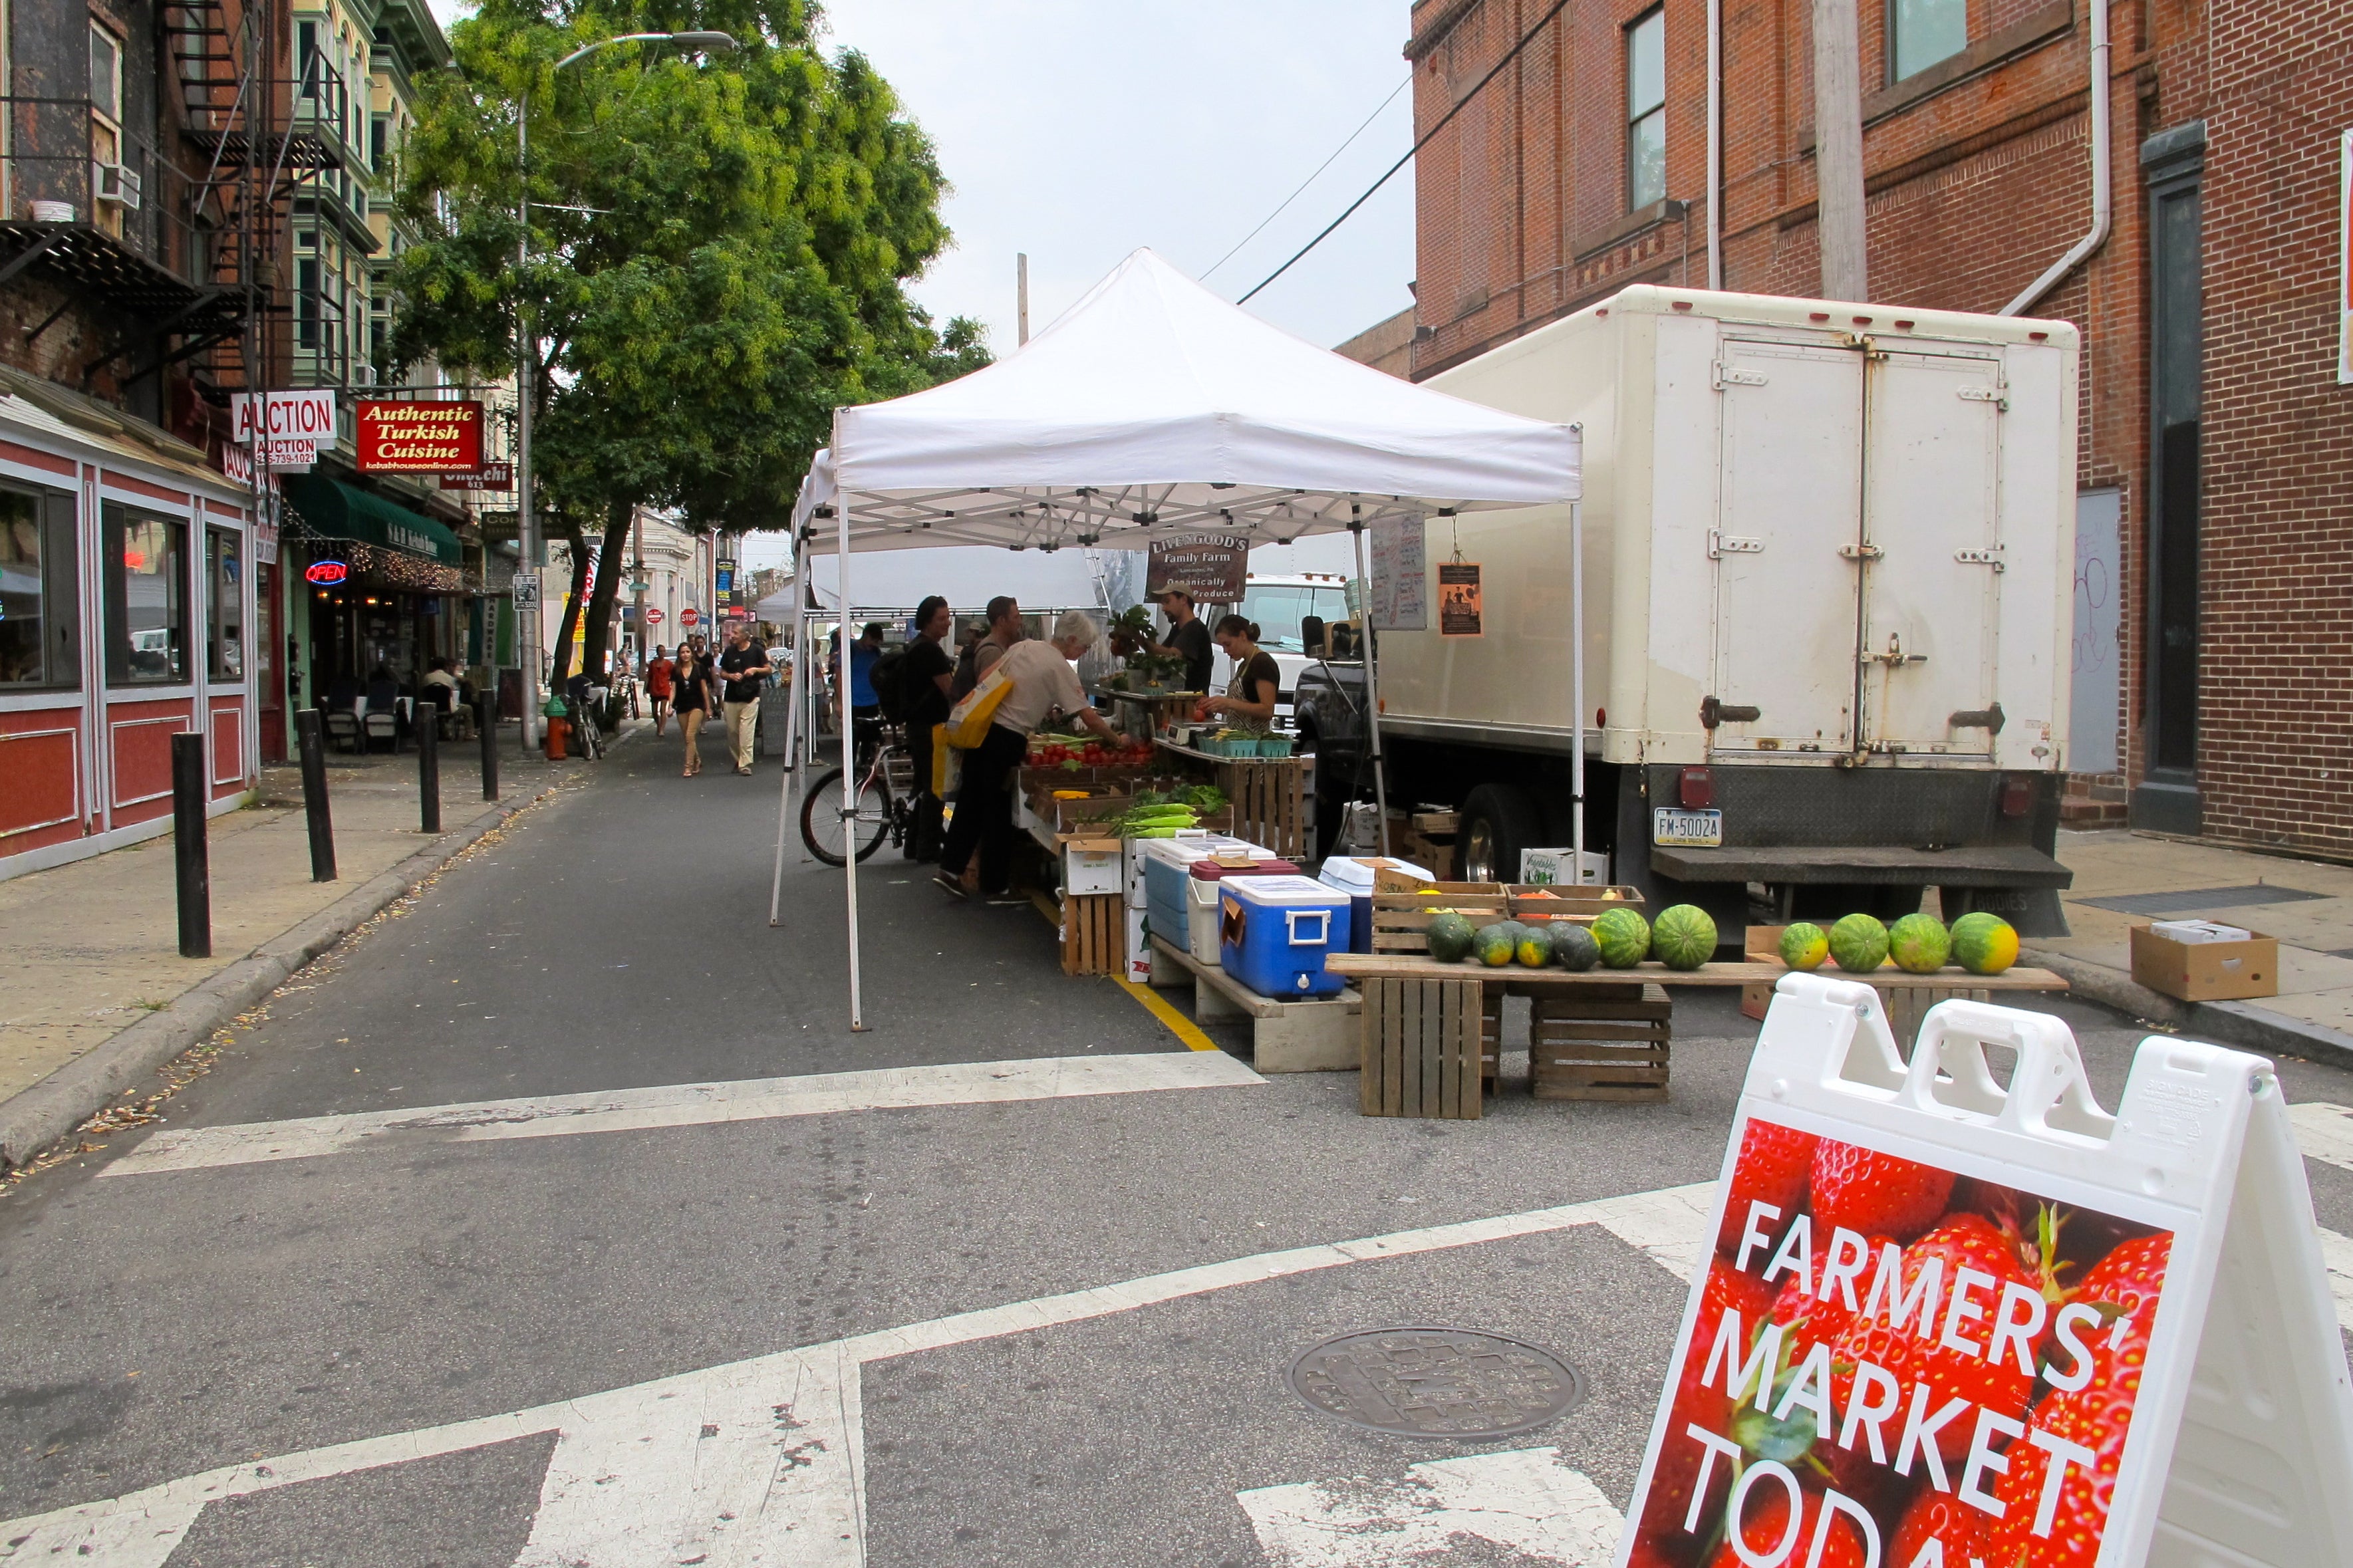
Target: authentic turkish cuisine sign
<point x="1891" y="1365"/>
<point x="403" y="435"/>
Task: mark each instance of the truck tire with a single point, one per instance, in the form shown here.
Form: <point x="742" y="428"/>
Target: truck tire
<point x="1498" y="822"/>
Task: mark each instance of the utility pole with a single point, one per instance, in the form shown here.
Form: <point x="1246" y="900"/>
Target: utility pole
<point x="637" y="578"/>
<point x="1838" y="151"/>
<point x="1022" y="295"/>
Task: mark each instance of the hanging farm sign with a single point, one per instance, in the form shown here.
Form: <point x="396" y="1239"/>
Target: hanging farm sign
<point x="1214" y="568"/>
<point x="418" y="436"/>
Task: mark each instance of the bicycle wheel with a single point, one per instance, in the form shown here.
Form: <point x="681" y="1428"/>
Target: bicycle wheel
<point x="825" y="831"/>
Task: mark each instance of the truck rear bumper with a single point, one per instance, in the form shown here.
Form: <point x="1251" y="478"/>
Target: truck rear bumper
<point x="1991" y="865"/>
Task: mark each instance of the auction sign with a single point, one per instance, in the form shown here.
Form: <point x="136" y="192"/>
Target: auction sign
<point x="1214" y="568"/>
<point x="418" y="436"/>
<point x="1934" y="1329"/>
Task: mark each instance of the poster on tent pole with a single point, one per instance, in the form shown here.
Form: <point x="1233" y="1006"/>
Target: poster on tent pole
<point x="1400" y="576"/>
<point x="1214" y="568"/>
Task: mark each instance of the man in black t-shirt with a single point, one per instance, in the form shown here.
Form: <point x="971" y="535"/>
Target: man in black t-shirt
<point x="1189" y="639"/>
<point x="745" y="667"/>
<point x="926" y="672"/>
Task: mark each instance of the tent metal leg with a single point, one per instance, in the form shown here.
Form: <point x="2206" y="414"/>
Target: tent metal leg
<point x="1577" y="687"/>
<point x="1372" y="691"/>
<point x="850" y="791"/>
<point x="792" y="734"/>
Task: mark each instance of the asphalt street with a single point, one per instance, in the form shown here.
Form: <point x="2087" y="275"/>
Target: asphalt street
<point x="161" y="1323"/>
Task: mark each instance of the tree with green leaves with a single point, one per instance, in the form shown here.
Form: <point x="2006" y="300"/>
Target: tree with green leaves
<point x="718" y="257"/>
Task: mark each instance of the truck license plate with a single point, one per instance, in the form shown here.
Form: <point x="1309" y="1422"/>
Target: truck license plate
<point x="1686" y="830"/>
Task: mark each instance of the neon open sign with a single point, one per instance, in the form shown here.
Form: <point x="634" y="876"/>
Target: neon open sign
<point x="325" y="573"/>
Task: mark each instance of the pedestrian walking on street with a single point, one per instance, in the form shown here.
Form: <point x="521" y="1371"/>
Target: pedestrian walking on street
<point x="744" y="667"/>
<point x="658" y="683"/>
<point x="692" y="694"/>
<point x="1043" y="684"/>
<point x="865" y="706"/>
<point x="1004" y="631"/>
<point x="925" y="673"/>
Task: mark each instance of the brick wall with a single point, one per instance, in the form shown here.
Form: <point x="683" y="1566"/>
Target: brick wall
<point x="1978" y="175"/>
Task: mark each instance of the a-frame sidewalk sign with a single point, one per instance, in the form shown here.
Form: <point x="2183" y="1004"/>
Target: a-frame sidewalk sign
<point x="1950" y="1321"/>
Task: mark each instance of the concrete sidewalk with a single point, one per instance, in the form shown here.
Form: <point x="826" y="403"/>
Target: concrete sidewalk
<point x="96" y="994"/>
<point x="2125" y="879"/>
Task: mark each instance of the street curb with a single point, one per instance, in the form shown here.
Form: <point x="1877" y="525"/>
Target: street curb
<point x="37" y="1117"/>
<point x="2225" y="1023"/>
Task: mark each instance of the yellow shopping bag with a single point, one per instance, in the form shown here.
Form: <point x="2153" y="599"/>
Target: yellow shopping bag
<point x="944" y="761"/>
<point x="969" y="721"/>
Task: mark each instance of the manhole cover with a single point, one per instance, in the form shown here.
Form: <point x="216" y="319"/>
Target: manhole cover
<point x="1436" y="1382"/>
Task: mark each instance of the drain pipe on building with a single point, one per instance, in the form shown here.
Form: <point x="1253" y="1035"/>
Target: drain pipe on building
<point x="1714" y="167"/>
<point x="2101" y="205"/>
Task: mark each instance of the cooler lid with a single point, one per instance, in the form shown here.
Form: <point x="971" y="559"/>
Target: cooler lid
<point x="1299" y="891"/>
<point x="1212" y="870"/>
<point x="1355" y="873"/>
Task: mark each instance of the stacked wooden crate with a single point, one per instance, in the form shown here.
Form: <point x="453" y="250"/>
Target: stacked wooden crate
<point x="1603" y="1042"/>
<point x="1094" y="934"/>
<point x="1420" y="1046"/>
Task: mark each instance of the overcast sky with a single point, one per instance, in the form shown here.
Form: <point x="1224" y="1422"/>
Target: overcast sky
<point x="1078" y="130"/>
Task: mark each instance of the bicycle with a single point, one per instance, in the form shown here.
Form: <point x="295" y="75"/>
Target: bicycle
<point x="885" y="808"/>
<point x="587" y="736"/>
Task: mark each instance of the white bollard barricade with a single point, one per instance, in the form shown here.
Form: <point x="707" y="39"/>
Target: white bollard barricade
<point x="1951" y="1323"/>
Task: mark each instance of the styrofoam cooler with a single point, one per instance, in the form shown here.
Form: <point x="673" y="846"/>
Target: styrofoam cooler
<point x="1354" y="875"/>
<point x="1274" y="932"/>
<point x="1144" y="853"/>
<point x="1168" y="863"/>
<point x="1201" y="899"/>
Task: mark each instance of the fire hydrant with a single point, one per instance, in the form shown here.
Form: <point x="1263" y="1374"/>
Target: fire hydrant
<point x="559" y="728"/>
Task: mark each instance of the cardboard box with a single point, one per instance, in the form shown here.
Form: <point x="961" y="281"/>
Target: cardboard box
<point x="2206" y="971"/>
<point x="1556" y="865"/>
<point x="1764" y="943"/>
<point x="1091" y="866"/>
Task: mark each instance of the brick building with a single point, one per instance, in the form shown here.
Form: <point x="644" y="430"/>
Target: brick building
<point x="2216" y="460"/>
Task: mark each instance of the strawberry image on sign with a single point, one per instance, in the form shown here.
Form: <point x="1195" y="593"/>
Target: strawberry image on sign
<point x="1928" y="1372"/>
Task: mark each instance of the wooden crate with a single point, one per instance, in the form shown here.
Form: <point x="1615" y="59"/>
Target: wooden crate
<point x="1401" y="909"/>
<point x="1094" y="934"/>
<point x="1419" y="1048"/>
<point x="1269" y="803"/>
<point x="1607" y="1043"/>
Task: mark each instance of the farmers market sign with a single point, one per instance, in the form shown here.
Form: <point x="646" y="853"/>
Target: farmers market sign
<point x="1940" y="1321"/>
<point x="1214" y="568"/>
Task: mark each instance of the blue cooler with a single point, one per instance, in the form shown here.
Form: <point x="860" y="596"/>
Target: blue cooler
<point x="1354" y="875"/>
<point x="1274" y="931"/>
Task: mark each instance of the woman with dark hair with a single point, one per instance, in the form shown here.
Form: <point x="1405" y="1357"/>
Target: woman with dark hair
<point x="1248" y="702"/>
<point x="926" y="672"/>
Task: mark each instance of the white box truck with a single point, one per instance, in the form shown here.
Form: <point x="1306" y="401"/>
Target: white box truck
<point x="1828" y="557"/>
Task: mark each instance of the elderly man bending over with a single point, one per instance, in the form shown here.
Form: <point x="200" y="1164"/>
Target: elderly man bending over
<point x="1043" y="684"/>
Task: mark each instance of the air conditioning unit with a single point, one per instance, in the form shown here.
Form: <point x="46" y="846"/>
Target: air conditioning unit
<point x="362" y="375"/>
<point x="116" y="183"/>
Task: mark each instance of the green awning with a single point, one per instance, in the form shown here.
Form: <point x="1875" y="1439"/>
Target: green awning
<point x="338" y="510"/>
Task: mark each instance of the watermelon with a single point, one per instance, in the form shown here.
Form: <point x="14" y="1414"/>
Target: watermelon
<point x="1494" y="945"/>
<point x="1919" y="944"/>
<point x="1572" y="944"/>
<point x="1984" y="943"/>
<point x="1682" y="937"/>
<point x="1859" y="944"/>
<point x="1451" y="937"/>
<point x="1532" y="946"/>
<point x="1623" y="937"/>
<point x="1805" y="945"/>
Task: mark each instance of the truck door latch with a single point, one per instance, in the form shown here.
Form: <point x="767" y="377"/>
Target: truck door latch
<point x="1987" y="719"/>
<point x="1895" y="658"/>
<point x="1714" y="711"/>
<point x="1996" y="395"/>
<point x="1721" y="544"/>
<point x="1859" y="552"/>
<point x="1990" y="556"/>
<point x="1728" y="375"/>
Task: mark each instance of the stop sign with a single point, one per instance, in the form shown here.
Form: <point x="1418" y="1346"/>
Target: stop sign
<point x="653" y="615"/>
<point x="689" y="616"/>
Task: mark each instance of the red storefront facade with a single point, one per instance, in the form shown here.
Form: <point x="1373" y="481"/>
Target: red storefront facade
<point x="128" y="607"/>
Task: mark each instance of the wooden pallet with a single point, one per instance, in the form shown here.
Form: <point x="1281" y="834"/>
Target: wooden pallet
<point x="1269" y="803"/>
<point x="1603" y="1044"/>
<point x="1402" y="906"/>
<point x="1094" y="934"/>
<point x="1420" y="1049"/>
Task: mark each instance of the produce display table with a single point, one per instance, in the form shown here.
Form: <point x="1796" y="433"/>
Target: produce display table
<point x="1318" y="1036"/>
<point x="1269" y="796"/>
<point x="1538" y="982"/>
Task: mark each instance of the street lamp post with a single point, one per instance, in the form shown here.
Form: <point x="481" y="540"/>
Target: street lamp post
<point x="527" y="357"/>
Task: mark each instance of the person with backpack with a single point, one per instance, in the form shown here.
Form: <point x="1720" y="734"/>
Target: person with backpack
<point x="911" y="687"/>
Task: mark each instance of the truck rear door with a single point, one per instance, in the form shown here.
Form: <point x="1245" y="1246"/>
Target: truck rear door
<point x="1789" y="501"/>
<point x="1931" y="572"/>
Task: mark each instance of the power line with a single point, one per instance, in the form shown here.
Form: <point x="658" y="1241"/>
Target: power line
<point x="1525" y="39"/>
<point x="1310" y="179"/>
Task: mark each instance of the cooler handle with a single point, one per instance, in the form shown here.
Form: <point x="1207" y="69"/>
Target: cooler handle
<point x="1323" y="918"/>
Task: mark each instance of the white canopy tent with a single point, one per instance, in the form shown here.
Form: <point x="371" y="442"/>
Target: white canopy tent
<point x="1152" y="407"/>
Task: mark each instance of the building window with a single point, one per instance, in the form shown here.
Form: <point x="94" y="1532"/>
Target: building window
<point x="306" y="302"/>
<point x="146" y="599"/>
<point x="1922" y="32"/>
<point x="1646" y="109"/>
<point x="37" y="646"/>
<point x="223" y="605"/>
<point x="379" y="142"/>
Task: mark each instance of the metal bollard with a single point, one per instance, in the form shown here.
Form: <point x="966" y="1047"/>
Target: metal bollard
<point x="489" y="719"/>
<point x="192" y="861"/>
<point x="429" y="767"/>
<point x="311" y="746"/>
